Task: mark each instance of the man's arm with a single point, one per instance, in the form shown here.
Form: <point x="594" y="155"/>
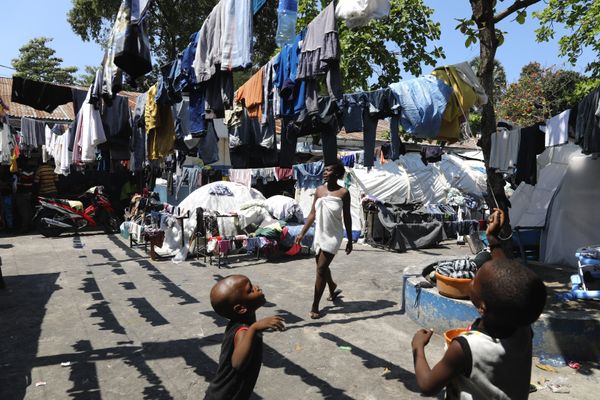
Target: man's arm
<point x="495" y="223"/>
<point x="431" y="381"/>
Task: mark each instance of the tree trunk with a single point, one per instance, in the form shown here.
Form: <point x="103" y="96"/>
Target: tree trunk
<point x="483" y="14"/>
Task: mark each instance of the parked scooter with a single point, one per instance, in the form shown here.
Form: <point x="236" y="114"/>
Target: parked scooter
<point x="55" y="216"/>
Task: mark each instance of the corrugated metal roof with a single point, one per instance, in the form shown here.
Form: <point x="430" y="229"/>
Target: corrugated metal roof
<point x="63" y="113"/>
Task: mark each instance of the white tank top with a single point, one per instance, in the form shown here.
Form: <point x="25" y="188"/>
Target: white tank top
<point x="500" y="368"/>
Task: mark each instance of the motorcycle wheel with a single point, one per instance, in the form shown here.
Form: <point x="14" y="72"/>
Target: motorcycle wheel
<point x="109" y="223"/>
<point x="45" y="229"/>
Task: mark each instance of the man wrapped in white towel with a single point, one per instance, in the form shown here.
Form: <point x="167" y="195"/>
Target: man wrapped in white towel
<point x="331" y="211"/>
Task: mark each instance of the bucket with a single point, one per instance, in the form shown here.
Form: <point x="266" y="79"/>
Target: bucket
<point x="456" y="288"/>
<point x="452" y="333"/>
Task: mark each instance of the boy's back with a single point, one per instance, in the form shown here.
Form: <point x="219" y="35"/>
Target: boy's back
<point x="230" y="383"/>
<point x="499" y="368"/>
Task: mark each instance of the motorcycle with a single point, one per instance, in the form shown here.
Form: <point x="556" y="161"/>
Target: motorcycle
<point x="55" y="216"/>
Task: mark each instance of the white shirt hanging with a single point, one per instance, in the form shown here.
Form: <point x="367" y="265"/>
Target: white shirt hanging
<point x="359" y="12"/>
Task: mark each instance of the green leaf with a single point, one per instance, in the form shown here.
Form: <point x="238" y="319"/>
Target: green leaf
<point x="521" y="15"/>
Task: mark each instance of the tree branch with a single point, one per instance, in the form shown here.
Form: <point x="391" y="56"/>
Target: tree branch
<point x="517" y="5"/>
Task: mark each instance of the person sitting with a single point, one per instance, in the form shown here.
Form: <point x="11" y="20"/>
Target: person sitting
<point x="237" y="299"/>
<point x="492" y="360"/>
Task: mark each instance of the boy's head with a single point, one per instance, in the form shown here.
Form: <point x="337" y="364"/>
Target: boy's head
<point x="335" y="171"/>
<point x="508" y="294"/>
<point x="234" y="297"/>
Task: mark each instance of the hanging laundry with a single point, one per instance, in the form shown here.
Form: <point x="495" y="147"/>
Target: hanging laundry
<point x="377" y="104"/>
<point x="309" y="176"/>
<point x="39" y="95"/>
<point x="112" y="76"/>
<point x="251" y="94"/>
<point x="236" y="38"/>
<point x="459" y="103"/>
<point x="208" y="50"/>
<point x="32" y="133"/>
<point x="320" y="55"/>
<point x="358" y="13"/>
<point x="466" y="74"/>
<point x="131" y="46"/>
<point x="284" y="173"/>
<point x="505" y="149"/>
<point x="208" y="146"/>
<point x="160" y="128"/>
<point x="422" y="104"/>
<point x="243" y="176"/>
<point x="588" y="123"/>
<point x="90" y="132"/>
<point x="291" y="90"/>
<point x="7" y="143"/>
<point x="532" y="144"/>
<point x="557" y="129"/>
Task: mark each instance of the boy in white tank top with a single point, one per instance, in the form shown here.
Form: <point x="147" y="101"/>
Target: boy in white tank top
<point x="493" y="359"/>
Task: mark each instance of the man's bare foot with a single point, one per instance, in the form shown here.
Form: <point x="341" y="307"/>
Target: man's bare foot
<point x="314" y="315"/>
<point x="333" y="296"/>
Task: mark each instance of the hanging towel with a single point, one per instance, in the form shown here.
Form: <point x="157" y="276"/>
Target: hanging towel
<point x="557" y="129"/>
<point x="329" y="229"/>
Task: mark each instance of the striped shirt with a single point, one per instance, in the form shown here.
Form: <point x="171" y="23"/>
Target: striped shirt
<point x="46" y="178"/>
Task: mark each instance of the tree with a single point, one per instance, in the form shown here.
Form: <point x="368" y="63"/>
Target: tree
<point x="499" y="76"/>
<point x="539" y="94"/>
<point x="37" y="61"/>
<point x="88" y="76"/>
<point x="582" y="19"/>
<point x="376" y="52"/>
<point x="169" y="24"/>
<point x="481" y="26"/>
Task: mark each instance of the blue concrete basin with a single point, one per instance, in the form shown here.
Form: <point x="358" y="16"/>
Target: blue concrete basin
<point x="559" y="336"/>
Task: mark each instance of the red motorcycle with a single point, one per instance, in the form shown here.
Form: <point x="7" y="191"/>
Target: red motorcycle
<point x="55" y="216"/>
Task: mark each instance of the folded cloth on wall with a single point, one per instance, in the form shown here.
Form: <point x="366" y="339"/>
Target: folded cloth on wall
<point x="39" y="95"/>
<point x="460" y="269"/>
<point x="557" y="129"/>
<point x="220" y="190"/>
<point x="329" y="227"/>
<point x="422" y="104"/>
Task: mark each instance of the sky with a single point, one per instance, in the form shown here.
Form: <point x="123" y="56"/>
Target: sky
<point x="48" y="18"/>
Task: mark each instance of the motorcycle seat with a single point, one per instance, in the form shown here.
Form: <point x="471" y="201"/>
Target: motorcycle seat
<point x="75" y="204"/>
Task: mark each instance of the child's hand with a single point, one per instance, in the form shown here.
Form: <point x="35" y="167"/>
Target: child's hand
<point x="421" y="338"/>
<point x="495" y="222"/>
<point x="298" y="239"/>
<point x="274" y="322"/>
<point x="349" y="247"/>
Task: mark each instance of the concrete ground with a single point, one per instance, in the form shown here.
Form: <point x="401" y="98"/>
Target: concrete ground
<point x="86" y="317"/>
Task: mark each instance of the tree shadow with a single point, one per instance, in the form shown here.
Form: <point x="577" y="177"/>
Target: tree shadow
<point x="146" y="311"/>
<point x="22" y="310"/>
<point x="273" y="359"/>
<point x="371" y="361"/>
